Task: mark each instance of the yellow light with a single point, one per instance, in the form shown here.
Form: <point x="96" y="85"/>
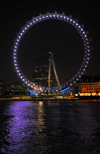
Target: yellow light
<point x="40" y="103"/>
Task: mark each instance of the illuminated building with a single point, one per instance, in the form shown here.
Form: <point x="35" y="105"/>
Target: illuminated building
<point x="18" y="88"/>
<point x="88" y="86"/>
<point x="12" y="89"/>
<point x="40" y="72"/>
<point x="89" y="89"/>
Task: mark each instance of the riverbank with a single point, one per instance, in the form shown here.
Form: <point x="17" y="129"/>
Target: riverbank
<point x="29" y="98"/>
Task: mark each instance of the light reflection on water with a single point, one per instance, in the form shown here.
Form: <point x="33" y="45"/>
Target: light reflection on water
<point x="50" y="127"/>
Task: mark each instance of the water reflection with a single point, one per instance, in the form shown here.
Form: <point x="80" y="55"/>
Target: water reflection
<point x="50" y="127"/>
<point x="41" y="114"/>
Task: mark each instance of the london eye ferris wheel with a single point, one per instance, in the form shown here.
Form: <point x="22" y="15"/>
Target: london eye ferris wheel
<point x="41" y="18"/>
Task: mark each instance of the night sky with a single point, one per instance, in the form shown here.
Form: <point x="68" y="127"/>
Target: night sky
<point x="53" y="35"/>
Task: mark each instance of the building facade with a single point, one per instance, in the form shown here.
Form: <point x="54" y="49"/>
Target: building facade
<point x="18" y="89"/>
<point x="88" y="89"/>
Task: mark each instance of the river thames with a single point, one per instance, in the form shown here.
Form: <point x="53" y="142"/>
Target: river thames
<point x="71" y="127"/>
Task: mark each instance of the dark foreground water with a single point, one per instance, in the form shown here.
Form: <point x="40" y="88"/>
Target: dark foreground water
<point x="49" y="127"/>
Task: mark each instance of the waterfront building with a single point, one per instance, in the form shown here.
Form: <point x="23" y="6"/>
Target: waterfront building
<point x="89" y="89"/>
<point x="18" y="89"/>
<point x="87" y="86"/>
